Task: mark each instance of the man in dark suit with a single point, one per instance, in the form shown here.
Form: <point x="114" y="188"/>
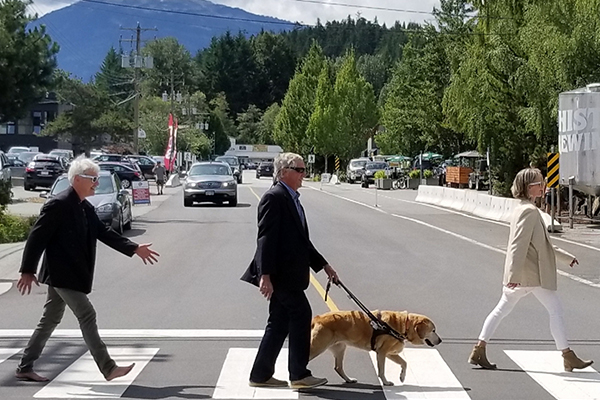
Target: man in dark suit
<point x="280" y="269"/>
<point x="67" y="230"/>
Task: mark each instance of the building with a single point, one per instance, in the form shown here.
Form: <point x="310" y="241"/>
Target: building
<point x="255" y="153"/>
<point x="27" y="131"/>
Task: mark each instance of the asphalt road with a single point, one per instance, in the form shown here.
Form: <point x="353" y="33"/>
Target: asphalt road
<point x="192" y="325"/>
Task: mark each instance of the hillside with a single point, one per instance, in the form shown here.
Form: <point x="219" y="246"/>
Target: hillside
<point x="87" y="29"/>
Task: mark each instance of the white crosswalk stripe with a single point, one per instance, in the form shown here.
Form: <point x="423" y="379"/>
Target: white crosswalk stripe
<point x="427" y="377"/>
<point x="545" y="367"/>
<point x="5" y="354"/>
<point x="233" y="381"/>
<point x="83" y="380"/>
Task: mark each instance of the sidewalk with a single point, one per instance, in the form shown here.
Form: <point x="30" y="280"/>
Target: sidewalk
<point x="11" y="253"/>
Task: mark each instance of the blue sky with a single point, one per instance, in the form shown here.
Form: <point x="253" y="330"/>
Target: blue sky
<point x="307" y="11"/>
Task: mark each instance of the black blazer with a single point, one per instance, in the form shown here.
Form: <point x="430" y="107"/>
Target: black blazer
<point x="284" y="250"/>
<point x="70" y="254"/>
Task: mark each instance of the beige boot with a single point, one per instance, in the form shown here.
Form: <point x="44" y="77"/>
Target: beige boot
<point x="573" y="362"/>
<point x="478" y="357"/>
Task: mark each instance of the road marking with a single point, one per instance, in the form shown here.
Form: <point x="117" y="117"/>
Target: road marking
<point x="5" y="287"/>
<point x="546" y="368"/>
<point x="427" y="377"/>
<point x="5" y="354"/>
<point x="319" y="288"/>
<point x="233" y="380"/>
<point x="83" y="380"/>
<point x="142" y="333"/>
<point x="472" y="241"/>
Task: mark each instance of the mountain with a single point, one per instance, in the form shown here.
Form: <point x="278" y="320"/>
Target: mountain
<point x="87" y="29"/>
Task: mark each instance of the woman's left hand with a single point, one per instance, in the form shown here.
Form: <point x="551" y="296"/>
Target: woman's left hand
<point x="573" y="262"/>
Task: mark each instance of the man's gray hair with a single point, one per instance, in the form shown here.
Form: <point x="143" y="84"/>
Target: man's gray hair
<point x="285" y="160"/>
<point x="82" y="165"/>
<point x="525" y="177"/>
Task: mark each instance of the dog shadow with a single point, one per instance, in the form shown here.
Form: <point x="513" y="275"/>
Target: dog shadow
<point x="346" y="391"/>
<point x="156" y="393"/>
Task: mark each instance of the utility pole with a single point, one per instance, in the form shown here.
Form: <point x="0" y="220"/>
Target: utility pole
<point x="138" y="63"/>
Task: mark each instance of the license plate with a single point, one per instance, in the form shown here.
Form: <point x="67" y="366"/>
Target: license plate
<point x="44" y="173"/>
<point x="210" y="192"/>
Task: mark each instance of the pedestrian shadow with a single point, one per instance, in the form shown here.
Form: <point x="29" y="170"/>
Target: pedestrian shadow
<point x="155" y="393"/>
<point x="134" y="232"/>
<point x="347" y="391"/>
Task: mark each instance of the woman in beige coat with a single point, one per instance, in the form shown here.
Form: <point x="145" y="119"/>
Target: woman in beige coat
<point x="530" y="267"/>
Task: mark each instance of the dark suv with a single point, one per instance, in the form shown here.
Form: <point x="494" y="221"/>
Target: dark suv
<point x="43" y="171"/>
<point x="264" y="169"/>
<point x="234" y="164"/>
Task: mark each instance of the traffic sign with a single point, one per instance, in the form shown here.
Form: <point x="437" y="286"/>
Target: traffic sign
<point x="311" y="158"/>
<point x="553" y="170"/>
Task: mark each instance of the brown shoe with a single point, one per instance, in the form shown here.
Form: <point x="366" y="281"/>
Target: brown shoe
<point x="270" y="383"/>
<point x="478" y="357"/>
<point x="308" y="383"/>
<point x="571" y="361"/>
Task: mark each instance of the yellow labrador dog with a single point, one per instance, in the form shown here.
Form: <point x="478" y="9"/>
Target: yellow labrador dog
<point x="336" y="330"/>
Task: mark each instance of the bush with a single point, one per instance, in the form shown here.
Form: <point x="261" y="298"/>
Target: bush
<point x="379" y="175"/>
<point x="5" y="192"/>
<point x="427" y="174"/>
<point x="14" y="228"/>
<point x="414" y="174"/>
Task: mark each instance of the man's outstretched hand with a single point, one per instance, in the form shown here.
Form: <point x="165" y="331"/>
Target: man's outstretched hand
<point x="147" y="254"/>
<point x="24" y="283"/>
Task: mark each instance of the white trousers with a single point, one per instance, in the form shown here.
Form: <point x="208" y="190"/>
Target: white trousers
<point x="510" y="298"/>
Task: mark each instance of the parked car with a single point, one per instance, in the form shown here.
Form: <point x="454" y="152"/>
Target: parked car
<point x="18" y="150"/>
<point x="5" y="164"/>
<point x="43" y="171"/>
<point x="111" y="202"/>
<point x="235" y="165"/>
<point x="371" y="168"/>
<point x="126" y="173"/>
<point x="27" y="156"/>
<point x="265" y="169"/>
<point x="211" y="182"/>
<point x="66" y="154"/>
<point x="355" y="169"/>
<point x="14" y="161"/>
<point x="145" y="163"/>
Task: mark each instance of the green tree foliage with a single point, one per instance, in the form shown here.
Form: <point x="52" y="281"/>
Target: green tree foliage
<point x="221" y="126"/>
<point x="113" y="79"/>
<point x="298" y="105"/>
<point x="248" y="126"/>
<point x="229" y="66"/>
<point x="267" y="124"/>
<point x="91" y="114"/>
<point x="357" y="114"/>
<point x="28" y="59"/>
<point x="173" y="68"/>
<point x="322" y="130"/>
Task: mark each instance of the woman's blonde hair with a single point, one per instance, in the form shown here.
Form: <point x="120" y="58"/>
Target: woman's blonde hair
<point x="524" y="178"/>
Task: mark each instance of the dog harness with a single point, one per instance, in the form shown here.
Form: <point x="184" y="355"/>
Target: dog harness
<point x="379" y="330"/>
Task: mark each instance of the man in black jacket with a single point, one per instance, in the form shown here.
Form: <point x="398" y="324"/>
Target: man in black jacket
<point x="67" y="230"/>
<point x="280" y="269"/>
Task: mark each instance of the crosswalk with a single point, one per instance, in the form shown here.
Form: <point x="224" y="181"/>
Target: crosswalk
<point x="429" y="374"/>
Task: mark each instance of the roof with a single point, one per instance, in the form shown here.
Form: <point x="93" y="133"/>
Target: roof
<point x="469" y="154"/>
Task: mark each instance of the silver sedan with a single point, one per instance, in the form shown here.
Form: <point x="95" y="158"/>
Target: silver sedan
<point x="210" y="182"/>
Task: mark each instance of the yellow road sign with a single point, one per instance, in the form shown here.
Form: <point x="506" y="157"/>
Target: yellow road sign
<point x="553" y="169"/>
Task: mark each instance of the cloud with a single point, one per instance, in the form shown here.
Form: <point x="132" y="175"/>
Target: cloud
<point x="307" y="12"/>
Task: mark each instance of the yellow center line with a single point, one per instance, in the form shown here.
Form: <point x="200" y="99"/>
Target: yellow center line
<point x="313" y="280"/>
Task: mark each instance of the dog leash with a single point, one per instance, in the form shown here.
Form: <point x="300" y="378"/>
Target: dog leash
<point x="376" y="323"/>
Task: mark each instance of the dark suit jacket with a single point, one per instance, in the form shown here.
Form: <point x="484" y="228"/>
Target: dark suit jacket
<point x="70" y="254"/>
<point x="284" y="250"/>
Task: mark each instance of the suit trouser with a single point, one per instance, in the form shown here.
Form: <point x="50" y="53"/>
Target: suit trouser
<point x="54" y="310"/>
<point x="289" y="314"/>
<point x="510" y="298"/>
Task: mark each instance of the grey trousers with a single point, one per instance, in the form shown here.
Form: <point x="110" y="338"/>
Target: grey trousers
<point x="54" y="310"/>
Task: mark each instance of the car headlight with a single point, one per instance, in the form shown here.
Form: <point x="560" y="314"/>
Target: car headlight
<point x="190" y="184"/>
<point x="228" y="184"/>
<point x="105" y="208"/>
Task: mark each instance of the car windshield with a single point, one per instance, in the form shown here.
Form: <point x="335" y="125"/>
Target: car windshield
<point x="105" y="185"/>
<point x="47" y="164"/>
<point x="27" y="157"/>
<point x="209" y="169"/>
<point x="376" y="166"/>
<point x="358" y="163"/>
<point x="229" y="160"/>
<point x="60" y="185"/>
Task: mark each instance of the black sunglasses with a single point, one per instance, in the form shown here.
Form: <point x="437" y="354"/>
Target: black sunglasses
<point x="299" y="170"/>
